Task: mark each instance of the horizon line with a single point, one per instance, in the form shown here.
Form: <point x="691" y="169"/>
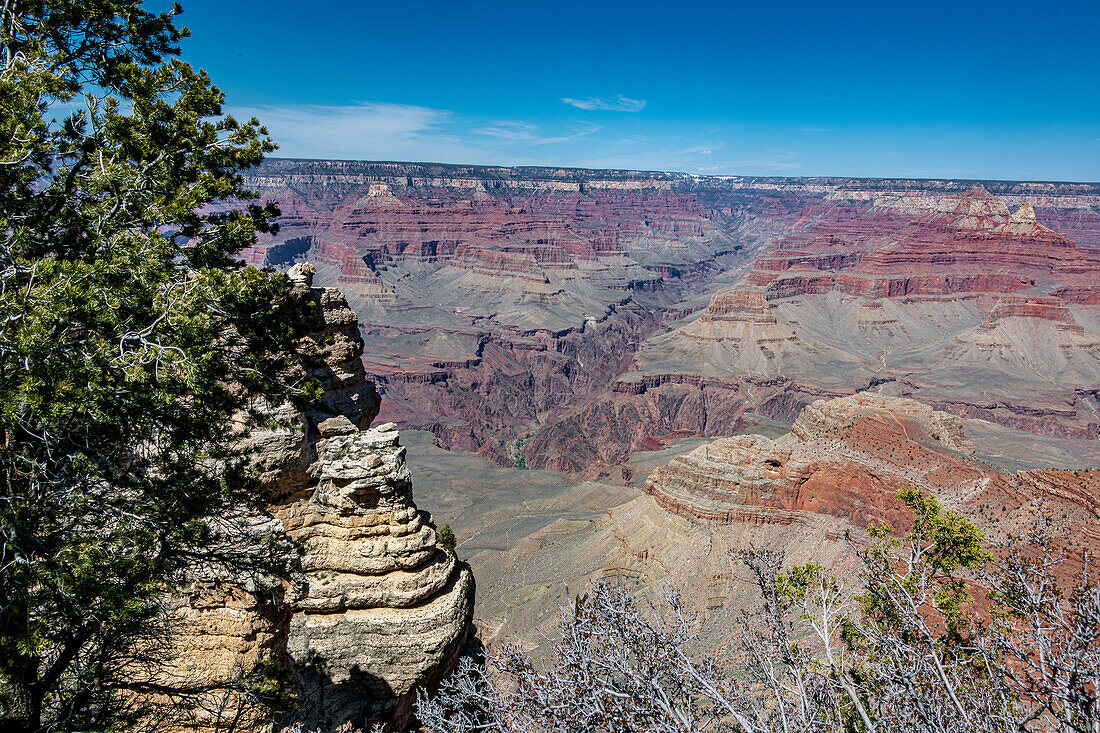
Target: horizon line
<point x="678" y="173"/>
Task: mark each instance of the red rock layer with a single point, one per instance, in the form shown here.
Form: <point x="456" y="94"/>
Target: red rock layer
<point x="460" y="274"/>
<point x="966" y="244"/>
<point x="522" y="234"/>
<point x="1079" y="294"/>
<point x="1024" y="306"/>
<point x="738" y="305"/>
<point x="848" y="458"/>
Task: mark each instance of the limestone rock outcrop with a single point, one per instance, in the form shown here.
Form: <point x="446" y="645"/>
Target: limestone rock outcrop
<point x="386" y="609"/>
<point x="229" y="631"/>
<point x="376" y="609"/>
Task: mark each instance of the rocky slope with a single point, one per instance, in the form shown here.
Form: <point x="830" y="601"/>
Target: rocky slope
<point x="378" y="609"/>
<point x="490" y="296"/>
<point x="532" y="536"/>
<point x="845" y="457"/>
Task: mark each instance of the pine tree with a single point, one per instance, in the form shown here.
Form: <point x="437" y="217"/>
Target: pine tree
<point x="131" y="345"/>
<point x="447" y="538"/>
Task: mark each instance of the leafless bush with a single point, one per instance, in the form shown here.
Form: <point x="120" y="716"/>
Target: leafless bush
<point x="902" y="651"/>
<point x="1044" y="642"/>
<point x="614" y="668"/>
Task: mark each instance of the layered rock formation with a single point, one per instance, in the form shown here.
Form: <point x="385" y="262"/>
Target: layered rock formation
<point x="378" y="609"/>
<point x="228" y="633"/>
<point x="1024" y="337"/>
<point x="386" y="609"/>
<point x="839" y="469"/>
<point x="843" y="463"/>
<point x="847" y="457"/>
<point x="955" y="300"/>
<point x="501" y="303"/>
<point x="461" y="275"/>
<point x="738" y="334"/>
<point x="960" y="243"/>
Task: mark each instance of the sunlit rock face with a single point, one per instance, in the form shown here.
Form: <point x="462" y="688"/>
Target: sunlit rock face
<point x="845" y="457"/>
<point x="376" y="610"/>
<point x="539" y="310"/>
<point x="960" y="301"/>
<point x="385" y="609"/>
<point x="491" y="297"/>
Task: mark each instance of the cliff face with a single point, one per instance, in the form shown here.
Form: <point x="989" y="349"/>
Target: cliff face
<point x="491" y="297"/>
<point x="843" y="463"/>
<point x="803" y="494"/>
<point x="377" y="609"/>
<point x="385" y="609"/>
<point x="229" y="632"/>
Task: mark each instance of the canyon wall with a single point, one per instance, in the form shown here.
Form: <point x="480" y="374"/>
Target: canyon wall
<point x="534" y="537"/>
<point x="544" y="316"/>
<point x="956" y="300"/>
<point x="839" y="470"/>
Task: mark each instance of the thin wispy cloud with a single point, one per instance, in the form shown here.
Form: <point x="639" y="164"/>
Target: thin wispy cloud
<point x="369" y="130"/>
<point x="390" y="131"/>
<point x="525" y="132"/>
<point x="768" y="160"/>
<point x="604" y="104"/>
<point x="708" y="155"/>
<point x="705" y="149"/>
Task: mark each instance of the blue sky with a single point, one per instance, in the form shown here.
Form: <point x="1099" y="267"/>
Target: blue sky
<point x="929" y="89"/>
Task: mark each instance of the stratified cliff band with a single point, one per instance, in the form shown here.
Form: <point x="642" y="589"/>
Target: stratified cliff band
<point x="378" y="610"/>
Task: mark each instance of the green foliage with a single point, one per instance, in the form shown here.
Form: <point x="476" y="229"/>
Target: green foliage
<point x="908" y="651"/>
<point x="270" y="686"/>
<point x="797" y="582"/>
<point x="129" y="341"/>
<point x="954" y="543"/>
<point x="447" y="538"/>
<point x="914" y="573"/>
